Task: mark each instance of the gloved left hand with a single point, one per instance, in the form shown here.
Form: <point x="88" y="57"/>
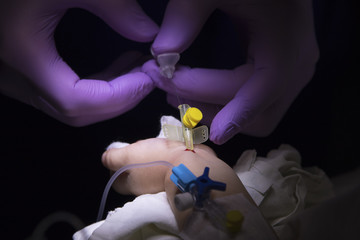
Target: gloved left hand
<point x="33" y="72"/>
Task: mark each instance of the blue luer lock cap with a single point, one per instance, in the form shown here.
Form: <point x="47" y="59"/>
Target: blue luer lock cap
<point x="182" y="177"/>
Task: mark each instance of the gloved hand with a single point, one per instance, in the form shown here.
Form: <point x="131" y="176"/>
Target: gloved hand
<point x="33" y="72"/>
<point x="252" y="98"/>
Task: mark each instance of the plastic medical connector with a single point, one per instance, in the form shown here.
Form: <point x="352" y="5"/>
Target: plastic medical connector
<point x="204" y="185"/>
<point x="183" y="178"/>
<point x="196" y="194"/>
<point x="215" y="214"/>
<point x="187" y="133"/>
<point x="198" y="187"/>
<point x="215" y="220"/>
<point x="192" y="117"/>
<point x="227" y="221"/>
<point x="167" y="62"/>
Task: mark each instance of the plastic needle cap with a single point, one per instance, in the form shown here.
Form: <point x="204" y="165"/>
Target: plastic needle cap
<point x="167" y="62"/>
<point x="192" y="117"/>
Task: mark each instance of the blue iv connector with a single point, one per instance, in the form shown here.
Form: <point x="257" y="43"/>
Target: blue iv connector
<point x="183" y="178"/>
<point x="199" y="187"/>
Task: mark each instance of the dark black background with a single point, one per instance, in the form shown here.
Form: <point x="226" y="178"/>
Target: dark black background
<point x="47" y="166"/>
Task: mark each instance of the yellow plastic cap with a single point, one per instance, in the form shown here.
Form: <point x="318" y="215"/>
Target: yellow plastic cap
<point x="192" y="117"/>
<point x="234" y="221"/>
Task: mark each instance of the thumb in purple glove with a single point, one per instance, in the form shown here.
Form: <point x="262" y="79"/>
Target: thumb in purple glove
<point x="34" y="73"/>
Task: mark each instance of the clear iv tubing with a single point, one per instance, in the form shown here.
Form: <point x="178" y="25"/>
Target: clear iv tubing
<point x="120" y="171"/>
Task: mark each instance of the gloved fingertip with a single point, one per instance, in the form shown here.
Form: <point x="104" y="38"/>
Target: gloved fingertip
<point x="165" y="47"/>
<point x="147" y="31"/>
<point x="151" y="69"/>
<point x="139" y="83"/>
<point x="149" y="66"/>
<point x="220" y="135"/>
<point x="148" y="84"/>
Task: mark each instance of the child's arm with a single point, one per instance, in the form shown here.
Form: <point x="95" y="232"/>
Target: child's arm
<point x="157" y="178"/>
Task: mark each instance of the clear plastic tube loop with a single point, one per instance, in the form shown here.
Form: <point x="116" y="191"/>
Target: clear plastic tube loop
<point x="120" y="171"/>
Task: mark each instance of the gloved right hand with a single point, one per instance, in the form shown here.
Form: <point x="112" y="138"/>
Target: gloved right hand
<point x="33" y="72"/>
<point x="252" y="98"/>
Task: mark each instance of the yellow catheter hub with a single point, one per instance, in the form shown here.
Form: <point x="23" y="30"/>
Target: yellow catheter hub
<point x="192" y="117"/>
<point x="186" y="132"/>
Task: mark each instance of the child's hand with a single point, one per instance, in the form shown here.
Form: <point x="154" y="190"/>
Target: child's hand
<point x="157" y="178"/>
<point x="152" y="179"/>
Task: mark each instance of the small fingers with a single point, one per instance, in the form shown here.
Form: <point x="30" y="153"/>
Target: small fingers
<point x="141" y="180"/>
<point x="114" y="158"/>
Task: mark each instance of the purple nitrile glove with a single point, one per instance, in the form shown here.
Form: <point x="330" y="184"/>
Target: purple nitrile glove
<point x="33" y="72"/>
<point x="252" y="98"/>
